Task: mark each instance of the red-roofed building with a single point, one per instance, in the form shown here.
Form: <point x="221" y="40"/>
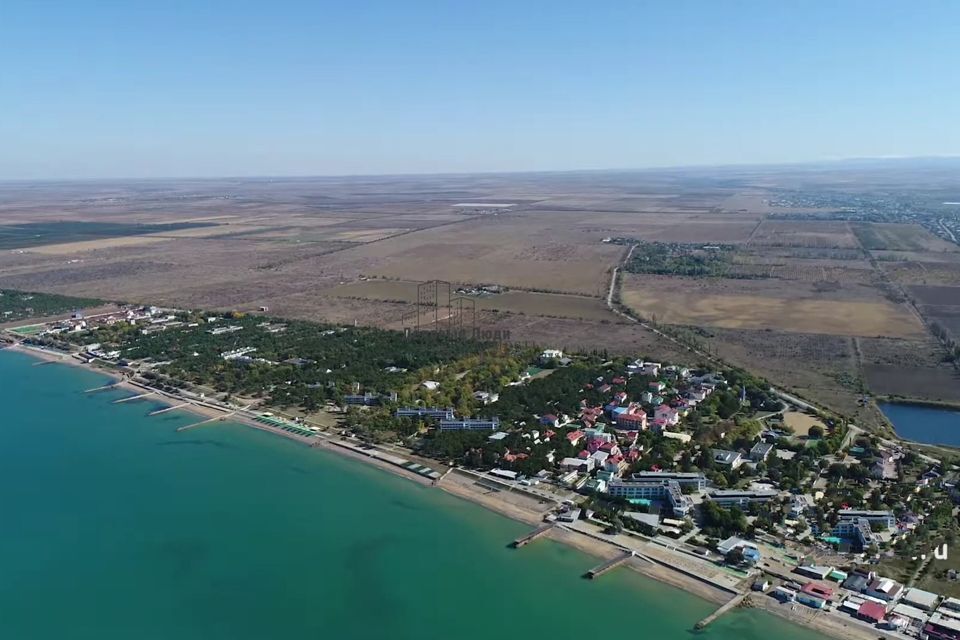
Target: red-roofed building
<point x="575" y="436"/>
<point x="611" y="448"/>
<point x="633" y="454"/>
<point x="669" y="415"/>
<point x="615" y="464"/>
<point x="583" y="455"/>
<point x="818" y="590"/>
<point x="872" y="612"/>
<point x="632" y="421"/>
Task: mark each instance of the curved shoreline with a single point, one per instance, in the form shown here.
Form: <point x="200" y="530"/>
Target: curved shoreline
<point x="513" y="508"/>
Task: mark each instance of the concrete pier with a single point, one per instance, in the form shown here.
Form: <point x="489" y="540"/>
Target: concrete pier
<point x="112" y="385"/>
<point x="735" y="602"/>
<point x="207" y="421"/>
<point x="533" y="535"/>
<point x="165" y="409"/>
<point x="609" y="565"/>
<point x="136" y="397"/>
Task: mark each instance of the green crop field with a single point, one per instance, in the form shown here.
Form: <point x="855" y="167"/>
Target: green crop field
<point x="20" y="236"/>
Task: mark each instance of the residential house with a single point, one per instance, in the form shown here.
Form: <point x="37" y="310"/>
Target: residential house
<point x="633" y="421"/>
<point x="760" y="451"/>
<point x="814" y="595"/>
<point x="486" y="397"/>
<point x="732" y="459"/>
<point x="577" y="464"/>
<point x="668" y="415"/>
<point x="799" y="505"/>
<point x="884" y="588"/>
<point x="550" y="354"/>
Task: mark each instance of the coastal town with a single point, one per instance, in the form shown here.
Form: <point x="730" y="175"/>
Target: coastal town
<point x="704" y="477"/>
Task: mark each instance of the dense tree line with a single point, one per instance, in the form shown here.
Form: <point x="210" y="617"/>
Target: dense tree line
<point x="303" y="364"/>
<point x="20" y="305"/>
<point x="683" y="260"/>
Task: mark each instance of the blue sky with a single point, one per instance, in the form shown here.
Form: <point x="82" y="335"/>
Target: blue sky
<point x="204" y="88"/>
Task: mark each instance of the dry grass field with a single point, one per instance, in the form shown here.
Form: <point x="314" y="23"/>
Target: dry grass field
<point x="806" y="306"/>
<point x="901" y="237"/>
<point x="804" y="233"/>
<point x="536" y="252"/>
<point x="768" y="304"/>
<point x="548" y="305"/>
<point x="801" y="423"/>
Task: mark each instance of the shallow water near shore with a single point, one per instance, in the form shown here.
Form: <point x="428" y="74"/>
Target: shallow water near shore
<point x="116" y="526"/>
<point x="925" y="424"/>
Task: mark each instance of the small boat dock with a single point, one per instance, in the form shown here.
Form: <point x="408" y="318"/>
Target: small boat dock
<point x="609" y="565"/>
<point x="533" y="535"/>
<point x="734" y="602"/>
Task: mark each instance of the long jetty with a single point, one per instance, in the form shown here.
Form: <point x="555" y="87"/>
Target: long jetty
<point x="207" y="421"/>
<point x="136" y="397"/>
<point x="734" y="602"/>
<point x="170" y="408"/>
<point x="533" y="535"/>
<point x="112" y="385"/>
<point x="609" y="565"/>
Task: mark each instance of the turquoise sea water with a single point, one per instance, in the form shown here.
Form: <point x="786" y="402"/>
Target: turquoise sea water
<point x="114" y="526"/>
<point x="929" y="425"/>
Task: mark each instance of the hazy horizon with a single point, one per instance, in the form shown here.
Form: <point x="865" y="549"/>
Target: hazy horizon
<point x="102" y="91"/>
